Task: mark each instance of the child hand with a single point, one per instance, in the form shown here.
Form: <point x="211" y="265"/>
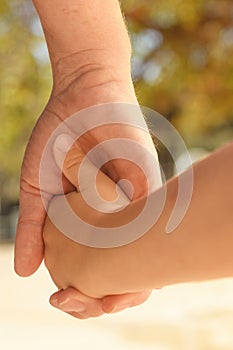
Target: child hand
<point x="95" y="272"/>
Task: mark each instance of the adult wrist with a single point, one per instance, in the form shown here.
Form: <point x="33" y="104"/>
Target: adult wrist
<point x="91" y="84"/>
<point x="92" y="68"/>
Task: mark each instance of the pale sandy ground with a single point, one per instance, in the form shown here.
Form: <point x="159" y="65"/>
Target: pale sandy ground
<point x="185" y="317"/>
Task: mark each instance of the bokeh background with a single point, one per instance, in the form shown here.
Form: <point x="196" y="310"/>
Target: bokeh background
<point x="183" y="68"/>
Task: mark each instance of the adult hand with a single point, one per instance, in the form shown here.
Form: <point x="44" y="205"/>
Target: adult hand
<point x="29" y="249"/>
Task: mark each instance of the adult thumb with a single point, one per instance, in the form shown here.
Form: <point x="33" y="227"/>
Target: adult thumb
<point x="68" y="156"/>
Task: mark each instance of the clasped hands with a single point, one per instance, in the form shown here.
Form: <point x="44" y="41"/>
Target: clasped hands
<point x="29" y="248"/>
<point x="95" y="272"/>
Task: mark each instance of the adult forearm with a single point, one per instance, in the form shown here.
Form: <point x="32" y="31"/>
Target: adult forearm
<point x="84" y="36"/>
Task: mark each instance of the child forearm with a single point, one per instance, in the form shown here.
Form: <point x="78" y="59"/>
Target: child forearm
<point x="201" y="246"/>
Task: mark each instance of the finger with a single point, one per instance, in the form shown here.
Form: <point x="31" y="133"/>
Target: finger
<point x="29" y="247"/>
<point x="116" y="303"/>
<point x="77" y="304"/>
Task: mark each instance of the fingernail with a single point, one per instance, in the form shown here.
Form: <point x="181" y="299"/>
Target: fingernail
<point x="54" y="301"/>
<point x="114" y="309"/>
<point x="63" y="302"/>
<point x="63" y="142"/>
<point x="68" y="305"/>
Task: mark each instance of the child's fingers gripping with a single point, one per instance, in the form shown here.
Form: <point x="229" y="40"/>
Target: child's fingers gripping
<point x="76" y="304"/>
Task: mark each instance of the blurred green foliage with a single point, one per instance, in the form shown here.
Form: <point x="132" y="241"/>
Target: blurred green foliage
<point x="25" y="82"/>
<point x="182" y="67"/>
<point x="183" y="64"/>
